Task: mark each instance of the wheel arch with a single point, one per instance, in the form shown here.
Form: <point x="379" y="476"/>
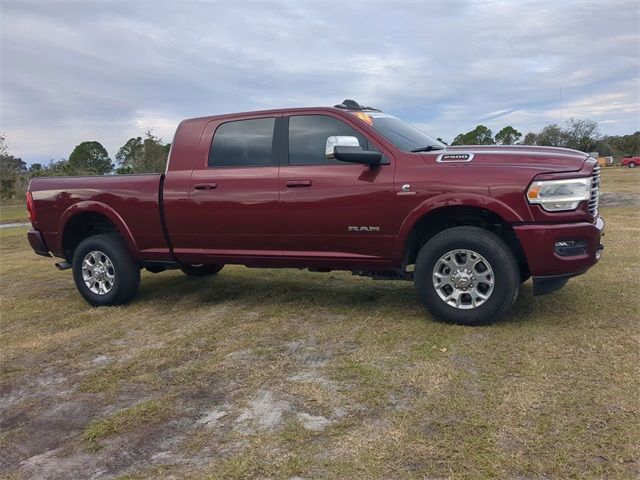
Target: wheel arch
<point x="84" y="219"/>
<point x="436" y="220"/>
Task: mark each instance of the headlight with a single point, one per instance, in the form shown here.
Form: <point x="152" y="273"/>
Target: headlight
<point x="559" y="195"/>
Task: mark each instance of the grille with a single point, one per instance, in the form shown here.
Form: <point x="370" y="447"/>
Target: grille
<point x="595" y="191"/>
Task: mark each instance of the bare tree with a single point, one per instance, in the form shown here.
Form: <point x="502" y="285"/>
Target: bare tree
<point x="582" y="135"/>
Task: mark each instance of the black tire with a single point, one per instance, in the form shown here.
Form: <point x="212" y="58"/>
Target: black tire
<point x="200" y="270"/>
<point x="126" y="271"/>
<point x="506" y="275"/>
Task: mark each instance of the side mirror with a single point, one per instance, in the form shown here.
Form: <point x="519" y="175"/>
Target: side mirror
<point x="348" y="149"/>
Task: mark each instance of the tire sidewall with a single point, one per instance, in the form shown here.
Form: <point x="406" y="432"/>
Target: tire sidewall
<point x="204" y="270"/>
<point x="112" y="248"/>
<point x="494" y="250"/>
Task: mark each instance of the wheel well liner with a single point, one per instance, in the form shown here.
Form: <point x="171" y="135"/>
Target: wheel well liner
<point x="83" y="225"/>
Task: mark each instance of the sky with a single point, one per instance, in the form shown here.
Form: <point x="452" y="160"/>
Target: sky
<point x="81" y="70"/>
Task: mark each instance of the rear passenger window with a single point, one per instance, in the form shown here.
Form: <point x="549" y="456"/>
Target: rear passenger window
<point x="243" y="143"/>
<point x="308" y="138"/>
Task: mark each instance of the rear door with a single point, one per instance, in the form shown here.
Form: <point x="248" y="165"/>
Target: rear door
<point x="331" y="210"/>
<point x="234" y="192"/>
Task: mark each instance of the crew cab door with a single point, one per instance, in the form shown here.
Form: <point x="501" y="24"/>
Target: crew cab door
<point x="233" y="194"/>
<point x="333" y="211"/>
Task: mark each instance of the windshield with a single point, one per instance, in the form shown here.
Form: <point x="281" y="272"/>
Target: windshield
<point x="399" y="132"/>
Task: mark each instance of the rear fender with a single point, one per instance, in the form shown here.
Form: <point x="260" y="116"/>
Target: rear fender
<point x="103" y="209"/>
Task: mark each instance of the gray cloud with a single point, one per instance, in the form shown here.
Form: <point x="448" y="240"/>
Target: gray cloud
<point x="74" y="70"/>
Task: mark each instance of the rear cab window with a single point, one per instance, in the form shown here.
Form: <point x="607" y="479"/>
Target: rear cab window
<point x="243" y="143"/>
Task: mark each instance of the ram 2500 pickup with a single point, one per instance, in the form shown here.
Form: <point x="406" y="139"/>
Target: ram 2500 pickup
<point x="341" y="188"/>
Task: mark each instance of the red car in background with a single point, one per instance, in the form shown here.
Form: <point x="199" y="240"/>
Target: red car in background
<point x="630" y="162"/>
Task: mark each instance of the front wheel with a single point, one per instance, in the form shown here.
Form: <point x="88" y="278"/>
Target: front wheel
<point x="200" y="270"/>
<point x="104" y="272"/>
<point x="632" y="165"/>
<point x="467" y="275"/>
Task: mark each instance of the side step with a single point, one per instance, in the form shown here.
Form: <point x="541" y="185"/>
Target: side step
<point x="63" y="265"/>
<point x="385" y="274"/>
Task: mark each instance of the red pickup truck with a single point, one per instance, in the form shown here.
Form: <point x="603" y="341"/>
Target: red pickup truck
<point x="340" y="188"/>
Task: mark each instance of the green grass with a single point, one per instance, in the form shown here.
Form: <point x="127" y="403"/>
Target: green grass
<point x="237" y="365"/>
<point x="124" y="420"/>
<point x="369" y="383"/>
<point x="13" y="213"/>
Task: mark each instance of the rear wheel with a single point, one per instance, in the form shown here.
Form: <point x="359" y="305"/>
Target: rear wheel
<point x="467" y="275"/>
<point x="200" y="270"/>
<point x="104" y="272"/>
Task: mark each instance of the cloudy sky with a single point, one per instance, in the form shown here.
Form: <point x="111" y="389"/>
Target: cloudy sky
<point x="109" y="70"/>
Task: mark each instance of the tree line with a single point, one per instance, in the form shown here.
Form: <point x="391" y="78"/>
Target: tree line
<point x="146" y="154"/>
<point x="583" y="135"/>
<point x="149" y="154"/>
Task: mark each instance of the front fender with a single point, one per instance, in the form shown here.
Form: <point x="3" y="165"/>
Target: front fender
<point x="438" y="202"/>
<point x="103" y="209"/>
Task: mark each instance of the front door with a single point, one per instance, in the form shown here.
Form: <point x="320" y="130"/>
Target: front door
<point x="331" y="210"/>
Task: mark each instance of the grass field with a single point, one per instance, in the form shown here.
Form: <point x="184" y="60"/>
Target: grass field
<point x="13" y="213"/>
<point x="620" y="180"/>
<point x="283" y="373"/>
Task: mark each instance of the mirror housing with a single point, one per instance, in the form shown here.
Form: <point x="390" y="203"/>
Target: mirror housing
<point x="348" y="149"/>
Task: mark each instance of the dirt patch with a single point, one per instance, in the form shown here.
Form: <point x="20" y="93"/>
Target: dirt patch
<point x="265" y="412"/>
<point x="210" y="418"/>
<point x="315" y="423"/>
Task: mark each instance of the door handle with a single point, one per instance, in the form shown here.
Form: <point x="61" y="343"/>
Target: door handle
<point x="205" y="186"/>
<point x="298" y="183"/>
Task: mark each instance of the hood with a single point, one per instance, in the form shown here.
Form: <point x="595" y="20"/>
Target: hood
<point x="547" y="158"/>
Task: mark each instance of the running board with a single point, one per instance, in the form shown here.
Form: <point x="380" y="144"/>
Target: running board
<point x="63" y="265"/>
<point x="385" y="274"/>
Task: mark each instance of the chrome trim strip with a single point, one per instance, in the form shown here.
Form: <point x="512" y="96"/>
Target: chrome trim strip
<point x="594" y="197"/>
<point x="515" y="152"/>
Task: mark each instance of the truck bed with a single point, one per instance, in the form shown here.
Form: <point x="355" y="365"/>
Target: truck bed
<point x="131" y="202"/>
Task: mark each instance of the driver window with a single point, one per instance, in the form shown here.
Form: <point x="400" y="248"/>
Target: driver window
<point x="308" y="137"/>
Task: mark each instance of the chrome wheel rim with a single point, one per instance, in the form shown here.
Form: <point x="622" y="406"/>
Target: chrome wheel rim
<point x="98" y="272"/>
<point x="463" y="279"/>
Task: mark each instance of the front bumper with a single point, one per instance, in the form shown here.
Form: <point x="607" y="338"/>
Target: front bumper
<point x="36" y="240"/>
<point x="539" y="244"/>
